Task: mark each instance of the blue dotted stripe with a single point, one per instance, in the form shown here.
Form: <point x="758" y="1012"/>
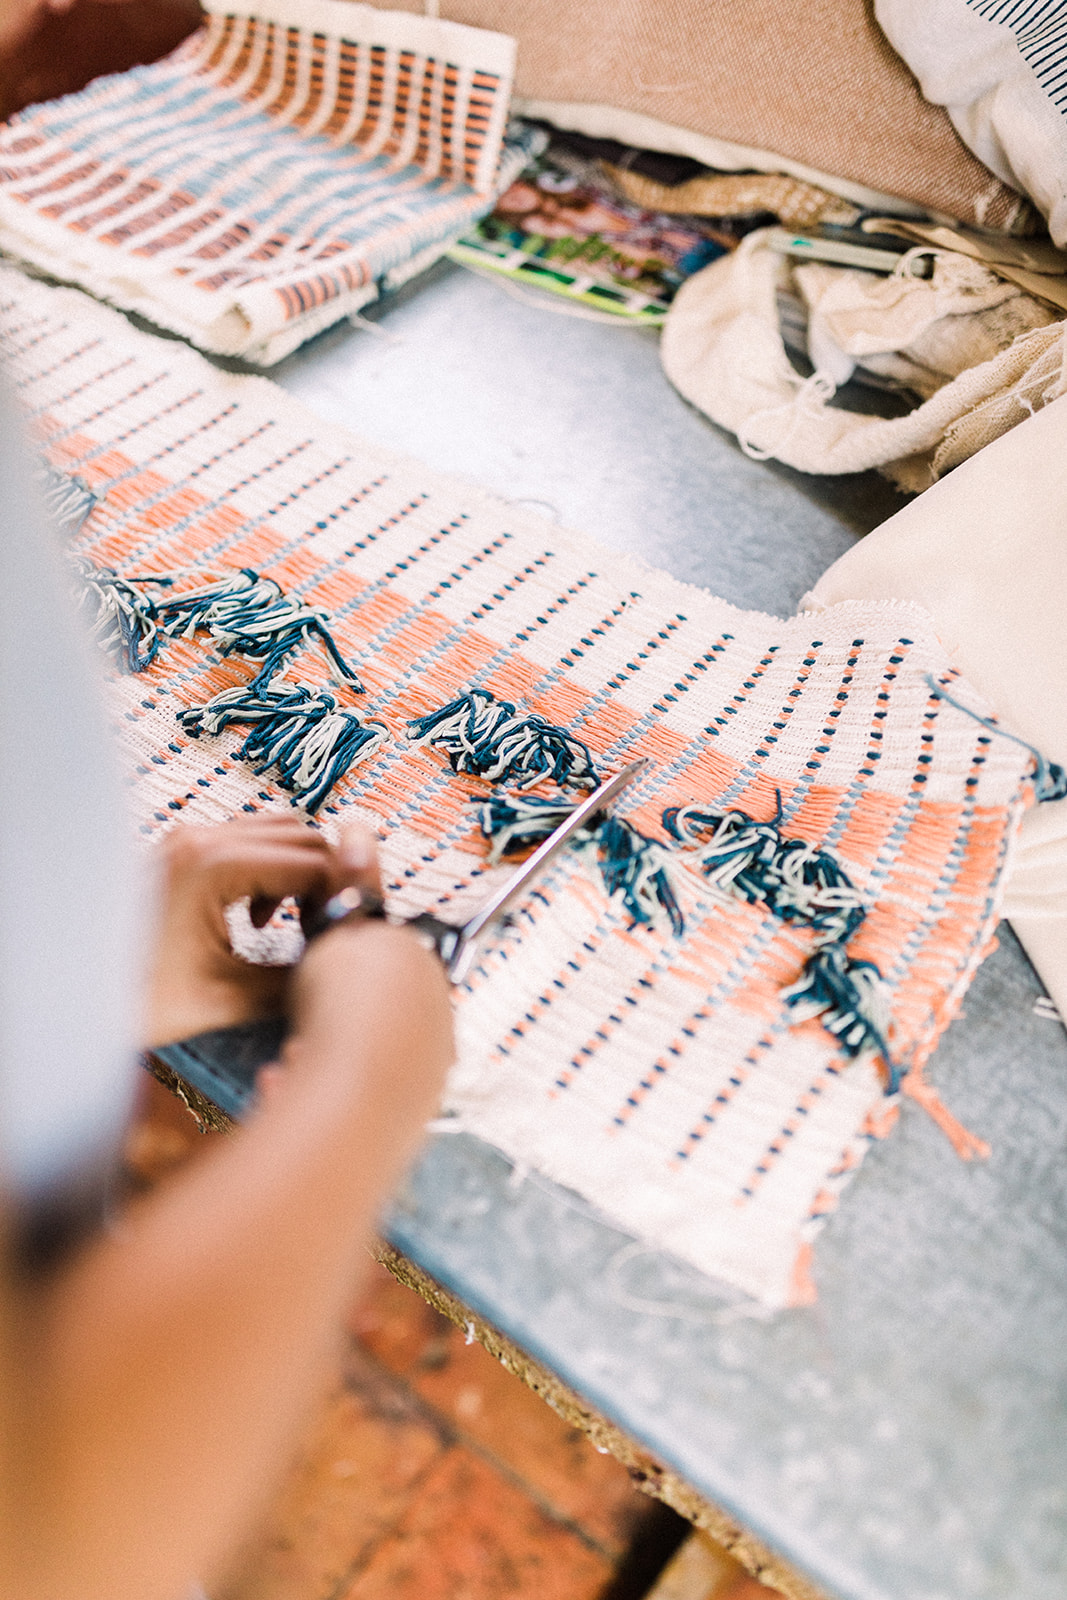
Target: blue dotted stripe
<point x="146" y="463"/>
<point x="776" y="1149"/>
<point x="43" y="374"/>
<point x="873" y="751"/>
<point x="58" y="403"/>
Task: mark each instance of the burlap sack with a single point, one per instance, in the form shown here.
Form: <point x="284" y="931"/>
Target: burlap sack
<point x="723" y="350"/>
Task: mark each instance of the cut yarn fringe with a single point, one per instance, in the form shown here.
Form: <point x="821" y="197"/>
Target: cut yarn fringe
<point x="250" y="615"/>
<point x="748" y="860"/>
<point x="122" y="618"/>
<point x="244" y="613"/>
<point x="303" y="734"/>
<point x="631" y="865"/>
<point x="66" y="499"/>
<point x="490" y="738"/>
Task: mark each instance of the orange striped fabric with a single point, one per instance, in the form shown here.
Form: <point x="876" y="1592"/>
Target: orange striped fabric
<point x="662" y="1077"/>
<point x="267" y="177"/>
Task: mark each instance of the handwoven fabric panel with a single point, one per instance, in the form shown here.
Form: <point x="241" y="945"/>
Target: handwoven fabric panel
<point x="659" y="1075"/>
<point x="260" y="182"/>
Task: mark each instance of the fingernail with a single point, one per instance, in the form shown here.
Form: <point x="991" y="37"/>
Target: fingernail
<point x="358" y="847"/>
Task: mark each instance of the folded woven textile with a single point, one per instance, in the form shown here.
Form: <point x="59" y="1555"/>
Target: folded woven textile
<point x="661" y="1076"/>
<point x="263" y="180"/>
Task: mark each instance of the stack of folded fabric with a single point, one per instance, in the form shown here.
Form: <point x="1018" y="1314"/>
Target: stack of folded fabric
<point x="268" y="177"/>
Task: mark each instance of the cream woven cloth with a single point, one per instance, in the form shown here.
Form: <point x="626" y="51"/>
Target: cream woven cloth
<point x="270" y="176"/>
<point x="985" y="552"/>
<point x="723" y="350"/>
<point x="664" y="1078"/>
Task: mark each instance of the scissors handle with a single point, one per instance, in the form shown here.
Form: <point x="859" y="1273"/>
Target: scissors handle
<point x="223" y="1063"/>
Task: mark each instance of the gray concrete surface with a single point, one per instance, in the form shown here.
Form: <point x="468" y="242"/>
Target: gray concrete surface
<point x="905" y="1438"/>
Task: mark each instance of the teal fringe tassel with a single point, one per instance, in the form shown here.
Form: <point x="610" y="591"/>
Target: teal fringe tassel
<point x="635" y="867"/>
<point x="302" y="734"/>
<point x="67" y="500"/>
<point x="514" y="823"/>
<point x="631" y="865"/>
<point x="121" y="617"/>
<point x="252" y="616"/>
<point x="490" y="738"/>
<point x="848" y="997"/>
<point x="751" y="861"/>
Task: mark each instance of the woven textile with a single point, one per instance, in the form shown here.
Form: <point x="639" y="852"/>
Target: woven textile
<point x="264" y="179"/>
<point x="659" y="1076"/>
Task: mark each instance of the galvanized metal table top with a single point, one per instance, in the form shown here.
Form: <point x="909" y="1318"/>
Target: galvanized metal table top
<point x="904" y="1439"/>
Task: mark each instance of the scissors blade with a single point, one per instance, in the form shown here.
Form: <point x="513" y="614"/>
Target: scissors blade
<point x="463" y="952"/>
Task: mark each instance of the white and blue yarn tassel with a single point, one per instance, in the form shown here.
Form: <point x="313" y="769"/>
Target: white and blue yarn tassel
<point x="122" y="618"/>
<point x="517" y="822"/>
<point x="849" y="999"/>
<point x="250" y="615"/>
<point x="491" y="738"/>
<point x="635" y="867"/>
<point x="749" y="860"/>
<point x="631" y="865"/>
<point x="303" y="734"/>
<point x="67" y="500"/>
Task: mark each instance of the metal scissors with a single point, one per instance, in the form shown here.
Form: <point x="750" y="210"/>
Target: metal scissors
<point x="222" y="1064"/>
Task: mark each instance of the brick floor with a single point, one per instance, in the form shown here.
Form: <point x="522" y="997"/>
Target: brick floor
<point x="429" y="1472"/>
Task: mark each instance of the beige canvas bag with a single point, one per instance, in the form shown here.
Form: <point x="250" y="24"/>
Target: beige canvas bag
<point x="723" y="350"/>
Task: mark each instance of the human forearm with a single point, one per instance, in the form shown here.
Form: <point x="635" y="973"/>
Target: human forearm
<point x="177" y="1357"/>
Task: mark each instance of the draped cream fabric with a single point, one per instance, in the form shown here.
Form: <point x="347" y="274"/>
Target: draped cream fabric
<point x="985" y="551"/>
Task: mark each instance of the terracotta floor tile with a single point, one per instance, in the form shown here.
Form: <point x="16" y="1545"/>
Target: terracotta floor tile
<point x="495" y="1410"/>
<point x="358" y="1472"/>
<point x="471" y="1535"/>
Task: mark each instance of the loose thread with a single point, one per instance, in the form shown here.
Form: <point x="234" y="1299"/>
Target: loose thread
<point x="1050" y="779"/>
<point x="490" y="738"/>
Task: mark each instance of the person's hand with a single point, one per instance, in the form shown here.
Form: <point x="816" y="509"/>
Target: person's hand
<point x="197" y="981"/>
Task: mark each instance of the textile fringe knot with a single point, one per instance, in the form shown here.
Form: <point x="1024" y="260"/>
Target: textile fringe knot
<point x="631" y="865"/>
<point x="849" y="999"/>
<point x="747" y="860"/>
<point x="490" y="738"/>
<point x="122" y="618"/>
<point x="67" y="500"/>
<point x="302" y="734"/>
<point x="251" y="615"/>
